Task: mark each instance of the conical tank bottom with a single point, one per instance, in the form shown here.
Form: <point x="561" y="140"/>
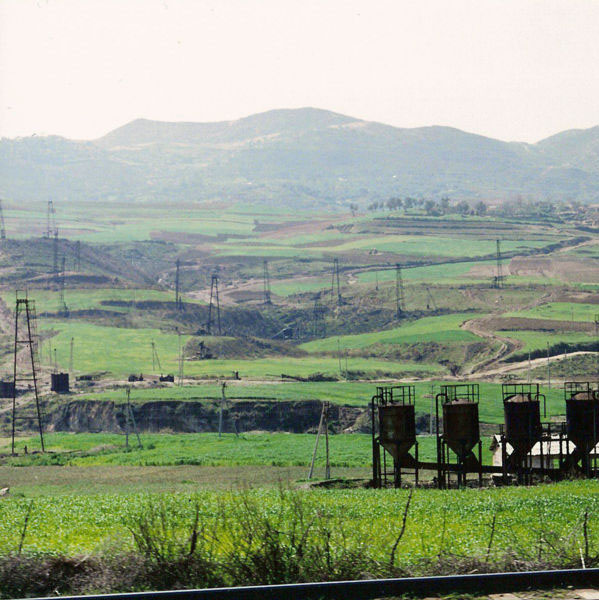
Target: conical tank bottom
<point x="460" y="426"/>
<point x="397" y="428"/>
<point x="522" y="423"/>
<point x="582" y="421"/>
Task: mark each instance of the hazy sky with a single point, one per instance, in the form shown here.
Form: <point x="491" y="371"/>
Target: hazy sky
<point x="515" y="70"/>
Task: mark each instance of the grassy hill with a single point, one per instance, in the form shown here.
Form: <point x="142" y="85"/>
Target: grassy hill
<point x="304" y="156"/>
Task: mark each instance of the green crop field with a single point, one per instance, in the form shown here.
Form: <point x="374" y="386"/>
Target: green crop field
<point x="119" y="350"/>
<point x="206" y="449"/>
<point x="90" y="299"/>
<point x="445" y="328"/>
<point x="435" y="245"/>
<point x="122" y="351"/>
<point x="538" y="340"/>
<point x="560" y="311"/>
<point x="369" y="520"/>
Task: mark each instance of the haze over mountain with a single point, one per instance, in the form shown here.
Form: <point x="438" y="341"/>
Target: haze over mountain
<point x="302" y="157"/>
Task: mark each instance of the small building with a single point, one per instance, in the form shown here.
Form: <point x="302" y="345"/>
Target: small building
<point x="549" y="451"/>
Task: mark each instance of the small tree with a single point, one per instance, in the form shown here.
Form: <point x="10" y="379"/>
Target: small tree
<point x="429" y="205"/>
<point x="463" y="207"/>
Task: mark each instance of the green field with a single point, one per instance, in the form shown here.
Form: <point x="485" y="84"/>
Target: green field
<point x="207" y="449"/>
<point x="445" y="328"/>
<point x="560" y="311"/>
<point x="93" y="299"/>
<point x="369" y="520"/>
<point x="538" y="340"/>
<point x="122" y="351"/>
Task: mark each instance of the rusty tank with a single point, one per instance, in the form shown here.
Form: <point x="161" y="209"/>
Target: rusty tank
<point x="397" y="428"/>
<point x="582" y="415"/>
<point x="461" y="426"/>
<point x="522" y="413"/>
<point x="460" y="417"/>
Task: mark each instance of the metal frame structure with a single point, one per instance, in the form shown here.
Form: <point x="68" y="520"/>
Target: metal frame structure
<point x="335" y="280"/>
<point x="63" y="309"/>
<point x="460" y="434"/>
<point x="2" y="225"/>
<point x="51" y="229"/>
<point x="522" y="431"/>
<point x="266" y="281"/>
<point x="499" y="278"/>
<point x="178" y="301"/>
<point x="399" y="293"/>
<point x="319" y="325"/>
<point x="25" y="309"/>
<point x="582" y="420"/>
<point x="214" y="305"/>
<point x="404" y="440"/>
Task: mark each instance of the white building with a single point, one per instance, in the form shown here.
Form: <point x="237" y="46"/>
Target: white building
<point x="550" y="451"/>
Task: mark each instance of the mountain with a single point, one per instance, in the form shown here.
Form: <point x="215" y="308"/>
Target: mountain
<point x="302" y="156"/>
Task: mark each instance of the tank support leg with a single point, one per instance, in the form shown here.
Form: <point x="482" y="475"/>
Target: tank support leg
<point x="416" y="463"/>
<point x="480" y="463"/>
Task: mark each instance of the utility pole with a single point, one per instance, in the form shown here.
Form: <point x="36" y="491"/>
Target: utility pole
<point x="214" y="305"/>
<point x="498" y="282"/>
<point x="548" y="368"/>
<point x="399" y="292"/>
<point x="77" y="261"/>
<point x="130" y="420"/>
<point x="266" y="278"/>
<point x="180" y="376"/>
<point x="55" y="258"/>
<point x="71" y="370"/>
<point x="155" y="358"/>
<point x="221" y="406"/>
<point x="339" y="356"/>
<point x="63" y="309"/>
<point x="177" y="298"/>
<point x="335" y="280"/>
<point x="432" y="413"/>
<point x="322" y="425"/>
<point x="2" y="226"/>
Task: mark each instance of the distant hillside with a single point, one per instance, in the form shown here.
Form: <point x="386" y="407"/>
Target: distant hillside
<point x="303" y="157"/>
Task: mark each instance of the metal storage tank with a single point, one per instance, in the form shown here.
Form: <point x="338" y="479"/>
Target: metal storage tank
<point x="460" y="425"/>
<point x="397" y="427"/>
<point x="461" y="432"/>
<point x="582" y="418"/>
<point x="522" y="414"/>
<point x="59" y="383"/>
<point x="394" y="415"/>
